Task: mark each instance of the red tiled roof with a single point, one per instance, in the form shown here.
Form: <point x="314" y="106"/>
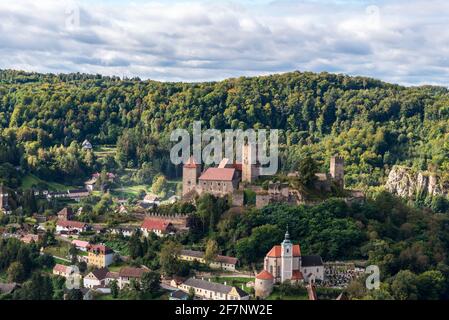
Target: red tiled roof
<point x="80" y="243"/>
<point x="218" y="174"/>
<point x="130" y="272"/>
<point x="275" y="252"/>
<point x="297" y="275"/>
<point x="154" y="224"/>
<point x="226" y="259"/>
<point x="71" y="224"/>
<point x="60" y="268"/>
<point x="100" y="249"/>
<point x="264" y="275"/>
<point x="191" y="163"/>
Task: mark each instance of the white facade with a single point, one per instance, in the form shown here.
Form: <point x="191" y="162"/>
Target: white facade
<point x="286" y="258"/>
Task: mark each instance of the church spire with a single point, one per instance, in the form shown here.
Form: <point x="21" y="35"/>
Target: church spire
<point x="287" y="236"/>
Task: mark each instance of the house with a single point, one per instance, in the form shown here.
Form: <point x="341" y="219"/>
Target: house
<point x="66" y="226"/>
<point x="65" y="214"/>
<point x="151" y="200"/>
<point x="86" y="145"/>
<point x="128" y="274"/>
<point x="81" y="245"/>
<point x="213" y="291"/>
<point x="96" y="278"/>
<point x="111" y="276"/>
<point x="62" y="270"/>
<point x="30" y="238"/>
<point x="158" y="226"/>
<point x="285" y="263"/>
<point x="220" y="262"/>
<point x="91" y="183"/>
<point x="123" y="230"/>
<point x="100" y="256"/>
<point x="178" y="295"/>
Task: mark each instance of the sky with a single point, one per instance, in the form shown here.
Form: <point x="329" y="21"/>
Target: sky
<point x="399" y="41"/>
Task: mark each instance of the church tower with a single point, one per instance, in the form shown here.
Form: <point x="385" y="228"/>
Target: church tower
<point x="286" y="258"/>
<point x="190" y="174"/>
<point x="337" y="170"/>
<point x="250" y="170"/>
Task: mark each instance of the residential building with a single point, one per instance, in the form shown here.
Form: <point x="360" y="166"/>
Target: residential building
<point x="86" y="145"/>
<point x="100" y="256"/>
<point x="129" y="274"/>
<point x="96" y="278"/>
<point x="81" y="245"/>
<point x="213" y="291"/>
<point x="220" y="262"/>
<point x="158" y="226"/>
<point x="152" y="199"/>
<point x="30" y="238"/>
<point x="178" y="295"/>
<point x="62" y="270"/>
<point x="66" y="226"/>
<point x="4" y="205"/>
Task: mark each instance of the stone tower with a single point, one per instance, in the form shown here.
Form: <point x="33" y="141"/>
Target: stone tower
<point x="286" y="258"/>
<point x="337" y="170"/>
<point x="3" y="199"/>
<point x="250" y="170"/>
<point x="190" y="174"/>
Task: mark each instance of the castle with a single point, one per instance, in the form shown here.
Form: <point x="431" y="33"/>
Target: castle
<point x="222" y="180"/>
<point x="285" y="263"/>
<point x="227" y="178"/>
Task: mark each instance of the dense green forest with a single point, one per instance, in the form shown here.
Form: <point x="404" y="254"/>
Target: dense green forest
<point x="372" y="124"/>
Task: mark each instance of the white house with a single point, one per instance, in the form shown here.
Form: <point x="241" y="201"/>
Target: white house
<point x="213" y="291"/>
<point x="157" y="226"/>
<point x="96" y="278"/>
<point x="81" y="245"/>
<point x="70" y="226"/>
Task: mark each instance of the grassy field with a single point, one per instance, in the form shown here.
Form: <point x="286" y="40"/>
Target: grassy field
<point x="61" y="250"/>
<point x="104" y="151"/>
<point x="128" y="191"/>
<point x="29" y="180"/>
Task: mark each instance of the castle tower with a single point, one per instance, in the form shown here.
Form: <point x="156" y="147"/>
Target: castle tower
<point x="250" y="170"/>
<point x="286" y="258"/>
<point x="190" y="174"/>
<point x="337" y="170"/>
<point x="3" y="199"/>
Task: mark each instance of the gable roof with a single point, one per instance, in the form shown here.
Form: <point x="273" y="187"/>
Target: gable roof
<point x="100" y="249"/>
<point x="100" y="274"/>
<point x="80" y="243"/>
<point x="311" y="261"/>
<point x="275" y="252"/>
<point x="60" y="268"/>
<point x="71" y="224"/>
<point x="155" y="224"/>
<point x="218" y="174"/>
<point x="200" y="254"/>
<point x="213" y="286"/>
<point x="66" y="212"/>
<point x="131" y="272"/>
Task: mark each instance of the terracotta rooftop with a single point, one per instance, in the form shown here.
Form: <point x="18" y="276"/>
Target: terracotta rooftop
<point x="155" y="224"/>
<point x="297" y="275"/>
<point x="264" y="275"/>
<point x="130" y="272"/>
<point x="275" y="252"/>
<point x="100" y="249"/>
<point x="71" y="224"/>
<point x="80" y="243"/>
<point x="218" y="174"/>
<point x="60" y="268"/>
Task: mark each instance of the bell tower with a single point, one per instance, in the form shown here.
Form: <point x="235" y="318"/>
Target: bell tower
<point x="286" y="258"/>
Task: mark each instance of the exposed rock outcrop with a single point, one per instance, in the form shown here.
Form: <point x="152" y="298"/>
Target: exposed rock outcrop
<point x="407" y="183"/>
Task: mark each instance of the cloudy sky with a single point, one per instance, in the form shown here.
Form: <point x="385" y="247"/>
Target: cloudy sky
<point x="402" y="41"/>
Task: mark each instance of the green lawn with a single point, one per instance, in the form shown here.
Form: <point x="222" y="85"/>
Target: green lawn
<point x="105" y="150"/>
<point x="29" y="180"/>
<point x="128" y="191"/>
<point x="61" y="250"/>
<point x="278" y="296"/>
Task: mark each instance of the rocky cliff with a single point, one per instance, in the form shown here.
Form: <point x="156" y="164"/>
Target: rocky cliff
<point x="407" y="183"/>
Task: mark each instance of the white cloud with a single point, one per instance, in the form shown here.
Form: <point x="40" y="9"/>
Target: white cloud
<point x="400" y="41"/>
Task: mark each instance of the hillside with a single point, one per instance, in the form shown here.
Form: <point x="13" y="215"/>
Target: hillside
<point x="372" y="124"/>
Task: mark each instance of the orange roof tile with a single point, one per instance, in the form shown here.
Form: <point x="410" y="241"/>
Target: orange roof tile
<point x="264" y="275"/>
<point x="218" y="174"/>
<point x="275" y="252"/>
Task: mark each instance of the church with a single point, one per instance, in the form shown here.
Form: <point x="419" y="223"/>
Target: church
<point x="285" y="263"/>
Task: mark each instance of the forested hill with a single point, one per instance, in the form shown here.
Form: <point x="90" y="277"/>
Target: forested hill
<point x="372" y="124"/>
